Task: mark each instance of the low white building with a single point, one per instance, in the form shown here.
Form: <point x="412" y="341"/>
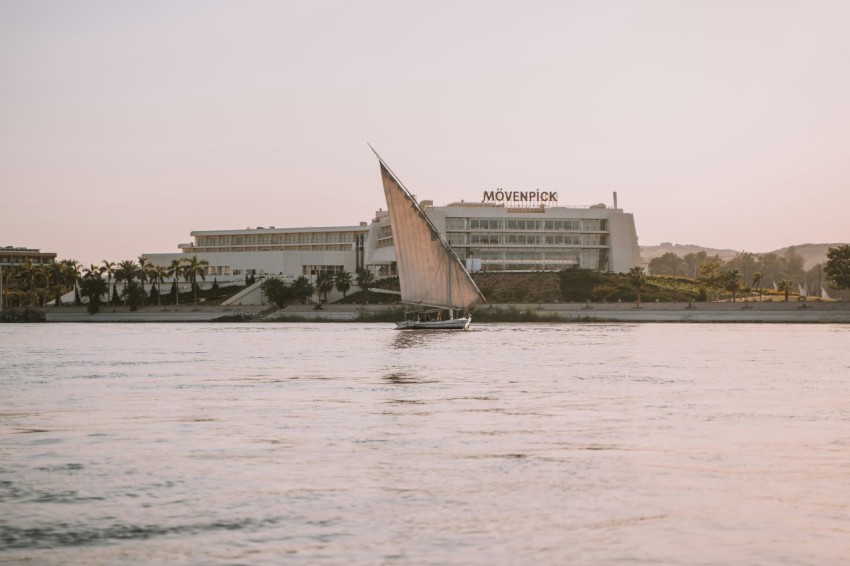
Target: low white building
<point x="285" y="252"/>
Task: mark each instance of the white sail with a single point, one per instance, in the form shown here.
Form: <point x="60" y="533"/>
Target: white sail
<point x="429" y="271"/>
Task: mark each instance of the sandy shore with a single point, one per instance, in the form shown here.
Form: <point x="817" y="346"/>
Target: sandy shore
<point x="791" y="312"/>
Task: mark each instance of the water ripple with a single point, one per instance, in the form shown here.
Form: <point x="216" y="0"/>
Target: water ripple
<point x="355" y="443"/>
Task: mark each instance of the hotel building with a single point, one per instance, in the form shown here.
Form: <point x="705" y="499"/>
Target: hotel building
<point x="516" y="234"/>
<point x="497" y="237"/>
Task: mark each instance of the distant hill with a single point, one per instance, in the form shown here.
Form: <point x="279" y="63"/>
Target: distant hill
<point x="812" y="254"/>
<point x="648" y="253"/>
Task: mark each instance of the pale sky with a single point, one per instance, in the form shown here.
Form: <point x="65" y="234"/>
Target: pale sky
<point x="126" y="125"/>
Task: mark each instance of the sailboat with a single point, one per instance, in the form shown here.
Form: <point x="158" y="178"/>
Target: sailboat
<point x="435" y="285"/>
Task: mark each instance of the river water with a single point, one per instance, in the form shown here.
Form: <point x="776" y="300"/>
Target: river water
<point x="356" y="443"/>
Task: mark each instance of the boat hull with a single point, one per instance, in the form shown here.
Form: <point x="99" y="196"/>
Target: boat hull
<point x="451" y="324"/>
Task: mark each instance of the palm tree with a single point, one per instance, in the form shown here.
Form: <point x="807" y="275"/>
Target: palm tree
<point x="39" y="284"/>
<point x="109" y="269"/>
<point x="324" y="284"/>
<point x="17" y="282"/>
<point x="637" y="279"/>
<point x="365" y="278"/>
<point x="191" y="270"/>
<point x="144" y="264"/>
<point x="787" y="286"/>
<point x="93" y="286"/>
<point x="56" y="281"/>
<point x="127" y="271"/>
<point x="175" y="270"/>
<point x="157" y="275"/>
<point x="302" y="289"/>
<point x="342" y="280"/>
<point x="10" y="285"/>
<point x="72" y="277"/>
<point x="26" y="281"/>
<point x="35" y="283"/>
<point x="91" y="272"/>
<point x="91" y="269"/>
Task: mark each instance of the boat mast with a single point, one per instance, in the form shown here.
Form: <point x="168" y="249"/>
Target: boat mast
<point x="449" y="299"/>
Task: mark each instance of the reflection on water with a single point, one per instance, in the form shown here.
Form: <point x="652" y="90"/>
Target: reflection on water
<point x="405" y="377"/>
<point x="326" y="443"/>
<point x="402" y="339"/>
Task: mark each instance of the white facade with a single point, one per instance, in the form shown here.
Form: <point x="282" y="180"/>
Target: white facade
<point x="488" y="237"/>
<point x="494" y="237"/>
<point x="286" y="252"/>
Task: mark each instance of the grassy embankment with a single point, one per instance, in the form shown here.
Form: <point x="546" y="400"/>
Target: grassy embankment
<point x="537" y="288"/>
<point x="571" y="286"/>
<point x="574" y="285"/>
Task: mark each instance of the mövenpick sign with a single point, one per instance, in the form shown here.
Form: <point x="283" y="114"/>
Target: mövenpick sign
<point x="502" y="196"/>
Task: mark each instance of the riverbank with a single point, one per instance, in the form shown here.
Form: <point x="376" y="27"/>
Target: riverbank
<point x="739" y="312"/>
<point x="153" y="314"/>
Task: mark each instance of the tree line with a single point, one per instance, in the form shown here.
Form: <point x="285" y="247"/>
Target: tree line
<point x="30" y="284"/>
<point x="281" y="293"/>
<point x="748" y="271"/>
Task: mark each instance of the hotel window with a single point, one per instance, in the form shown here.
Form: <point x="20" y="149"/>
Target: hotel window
<point x="458" y="238"/>
<point x="317" y="269"/>
<point x="457" y="223"/>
